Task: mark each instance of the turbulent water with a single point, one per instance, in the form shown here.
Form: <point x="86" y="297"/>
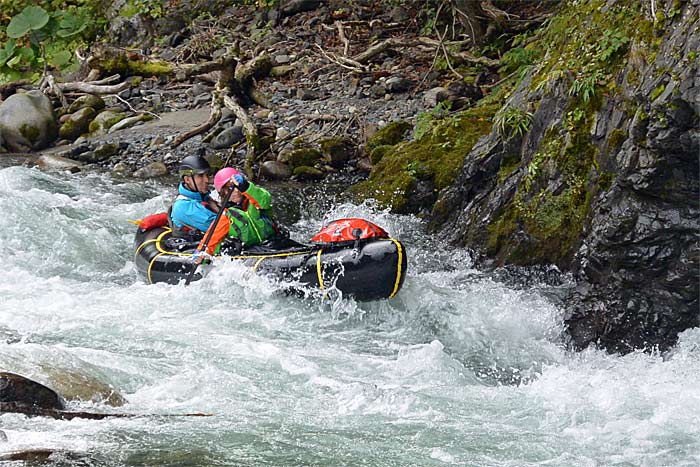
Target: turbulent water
<point x="458" y="369"/>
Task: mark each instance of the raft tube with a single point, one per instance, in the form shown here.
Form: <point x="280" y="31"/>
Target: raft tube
<point x="371" y="270"/>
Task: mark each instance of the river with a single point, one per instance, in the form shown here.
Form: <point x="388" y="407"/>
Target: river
<point x="458" y="369"/>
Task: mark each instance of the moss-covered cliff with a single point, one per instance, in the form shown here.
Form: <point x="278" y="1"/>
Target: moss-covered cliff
<point x="602" y="176"/>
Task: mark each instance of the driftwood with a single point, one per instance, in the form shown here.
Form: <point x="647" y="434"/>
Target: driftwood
<point x="235" y="83"/>
<point x="92" y="88"/>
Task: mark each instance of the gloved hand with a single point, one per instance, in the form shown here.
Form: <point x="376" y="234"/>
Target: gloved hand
<point x="240" y="181"/>
<point x="199" y="256"/>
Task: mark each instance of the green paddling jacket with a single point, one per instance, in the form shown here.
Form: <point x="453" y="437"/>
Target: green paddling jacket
<point x="250" y="221"/>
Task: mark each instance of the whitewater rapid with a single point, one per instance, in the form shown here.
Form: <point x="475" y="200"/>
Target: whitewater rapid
<point x="458" y="369"/>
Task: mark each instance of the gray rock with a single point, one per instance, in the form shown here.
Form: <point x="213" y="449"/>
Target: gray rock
<point x="275" y="170"/>
<point x="228" y="137"/>
<point x="27" y="122"/>
<point x="152" y="170"/>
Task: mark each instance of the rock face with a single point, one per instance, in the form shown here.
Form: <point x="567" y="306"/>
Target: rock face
<point x="605" y="185"/>
<point x="639" y="263"/>
<point x="27" y="122"/>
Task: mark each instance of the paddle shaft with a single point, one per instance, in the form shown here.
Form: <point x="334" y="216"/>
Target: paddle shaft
<point x="211" y="229"/>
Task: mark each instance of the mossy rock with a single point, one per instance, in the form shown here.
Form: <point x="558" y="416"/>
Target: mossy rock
<point x="77" y="124"/>
<point x="337" y="151"/>
<point x="307" y="173"/>
<point x="304" y="157"/>
<point x="88" y="100"/>
<point x="376" y="155"/>
<point x="105" y="120"/>
<point x="281" y="70"/>
<point x="436" y="157"/>
<point x="390" y="135"/>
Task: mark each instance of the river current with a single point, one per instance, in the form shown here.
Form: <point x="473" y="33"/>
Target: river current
<point x="457" y="369"/>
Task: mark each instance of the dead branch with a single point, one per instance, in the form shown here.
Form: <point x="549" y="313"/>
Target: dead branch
<point x="402" y="43"/>
<point x="123" y="101"/>
<point x="214" y="117"/>
<point x="185" y="72"/>
<point x="255" y="68"/>
<point x="93" y="88"/>
<point x="344" y="62"/>
<point x="250" y="130"/>
<point x="343" y="39"/>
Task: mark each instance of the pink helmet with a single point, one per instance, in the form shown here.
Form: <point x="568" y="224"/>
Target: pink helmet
<point x="223" y="176"/>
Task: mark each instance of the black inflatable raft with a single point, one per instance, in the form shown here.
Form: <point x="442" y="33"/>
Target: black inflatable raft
<point x="368" y="269"/>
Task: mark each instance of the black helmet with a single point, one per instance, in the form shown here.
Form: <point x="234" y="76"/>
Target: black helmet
<point x="193" y="165"/>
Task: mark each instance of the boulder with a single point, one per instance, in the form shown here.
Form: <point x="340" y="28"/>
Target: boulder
<point x="27" y="122"/>
<point x="152" y="170"/>
<point x="16" y="389"/>
<point x="275" y="170"/>
<point x="77" y="123"/>
<point x="55" y="162"/>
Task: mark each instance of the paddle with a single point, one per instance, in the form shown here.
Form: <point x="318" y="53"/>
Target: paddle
<point x="224" y="202"/>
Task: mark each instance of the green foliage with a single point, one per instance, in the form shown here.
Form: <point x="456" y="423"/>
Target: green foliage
<point x="31" y="19"/>
<point x="589" y="41"/>
<point x="516" y="59"/>
<point x="425" y="121"/>
<point x="512" y="121"/>
<point x="147" y="8"/>
<point x="36" y="38"/>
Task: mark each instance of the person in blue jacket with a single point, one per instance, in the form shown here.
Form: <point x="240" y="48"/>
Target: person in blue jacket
<point x="193" y="211"/>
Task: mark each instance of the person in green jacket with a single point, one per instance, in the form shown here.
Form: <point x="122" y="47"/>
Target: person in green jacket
<point x="248" y="216"/>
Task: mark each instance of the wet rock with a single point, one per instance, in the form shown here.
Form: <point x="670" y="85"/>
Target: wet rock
<point x="25" y="392"/>
<point x="76" y="386"/>
<point x="27" y="122"/>
<point x="634" y="251"/>
<point x="54" y="162"/>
